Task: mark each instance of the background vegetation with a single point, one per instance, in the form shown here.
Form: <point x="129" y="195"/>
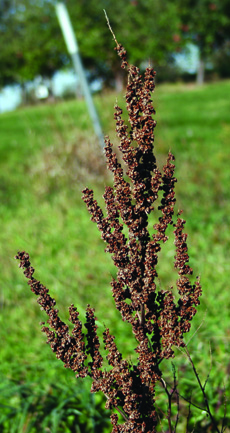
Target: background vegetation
<point x="48" y="154"/>
<point x="32" y="43"/>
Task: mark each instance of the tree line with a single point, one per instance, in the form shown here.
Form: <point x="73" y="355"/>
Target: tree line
<point x="32" y="43"/>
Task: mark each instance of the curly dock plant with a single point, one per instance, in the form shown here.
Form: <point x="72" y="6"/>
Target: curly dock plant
<point x="158" y="321"/>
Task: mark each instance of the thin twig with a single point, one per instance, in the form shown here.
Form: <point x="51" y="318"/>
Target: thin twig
<point x="223" y="428"/>
<point x="197" y="329"/>
<point x="208" y="375"/>
<point x="202" y="390"/>
<point x="188" y="401"/>
<point x="110" y="28"/>
<point x="116" y="408"/>
<point x="122" y="413"/>
<point x="169" y="405"/>
<point x="177" y="397"/>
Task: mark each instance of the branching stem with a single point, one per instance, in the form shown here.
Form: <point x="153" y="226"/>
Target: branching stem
<point x="202" y="388"/>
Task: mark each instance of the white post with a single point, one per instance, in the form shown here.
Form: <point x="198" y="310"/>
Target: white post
<point x="72" y="47"/>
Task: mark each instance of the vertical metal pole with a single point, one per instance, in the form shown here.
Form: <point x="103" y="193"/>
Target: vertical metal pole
<point x="72" y="47"/>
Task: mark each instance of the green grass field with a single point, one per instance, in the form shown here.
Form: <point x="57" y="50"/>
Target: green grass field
<point x="48" y="154"/>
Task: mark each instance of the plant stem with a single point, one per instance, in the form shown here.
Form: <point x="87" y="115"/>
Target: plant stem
<point x="202" y="390"/>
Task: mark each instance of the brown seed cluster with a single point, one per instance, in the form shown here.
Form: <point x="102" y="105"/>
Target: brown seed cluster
<point x="158" y="321"/>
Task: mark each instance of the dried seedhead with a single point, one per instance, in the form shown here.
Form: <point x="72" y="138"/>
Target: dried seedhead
<point x="158" y="321"/>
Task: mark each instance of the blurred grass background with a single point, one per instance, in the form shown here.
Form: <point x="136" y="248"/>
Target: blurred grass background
<point x="48" y="154"/>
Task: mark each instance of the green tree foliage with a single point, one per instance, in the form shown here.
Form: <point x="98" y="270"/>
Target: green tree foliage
<point x="207" y="24"/>
<point x="147" y="26"/>
<point x="10" y="58"/>
<point x="32" y="41"/>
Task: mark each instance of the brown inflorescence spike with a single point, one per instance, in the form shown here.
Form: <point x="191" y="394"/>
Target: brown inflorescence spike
<point x="158" y="321"/>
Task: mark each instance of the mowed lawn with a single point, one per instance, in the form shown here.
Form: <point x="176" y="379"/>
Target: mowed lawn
<point x="48" y="154"/>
